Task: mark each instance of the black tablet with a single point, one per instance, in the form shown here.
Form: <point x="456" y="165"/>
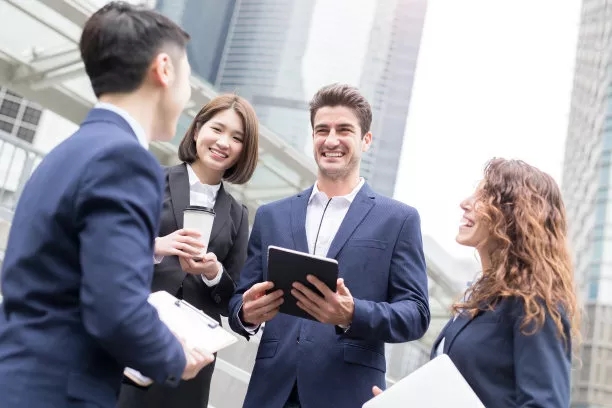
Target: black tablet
<point x="286" y="266"/>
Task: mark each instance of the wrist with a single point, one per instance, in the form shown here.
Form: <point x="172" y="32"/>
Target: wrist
<point x="242" y="319"/>
<point x="156" y="248"/>
<point x="351" y="313"/>
<point x="210" y="276"/>
<point x="214" y="272"/>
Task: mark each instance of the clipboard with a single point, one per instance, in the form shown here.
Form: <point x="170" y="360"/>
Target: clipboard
<point x="286" y="266"/>
<point x="197" y="329"/>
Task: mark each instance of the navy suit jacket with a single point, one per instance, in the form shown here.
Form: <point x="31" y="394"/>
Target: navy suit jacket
<point x="379" y="250"/>
<point x="505" y="367"/>
<point x="77" y="273"/>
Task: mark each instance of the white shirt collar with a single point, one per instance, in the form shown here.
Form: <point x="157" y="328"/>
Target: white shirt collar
<point x="194" y="181"/>
<point x="136" y="127"/>
<point x="349" y="197"/>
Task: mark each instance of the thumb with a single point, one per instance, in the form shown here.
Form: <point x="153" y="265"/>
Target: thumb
<point x="341" y="288"/>
<point x="210" y="257"/>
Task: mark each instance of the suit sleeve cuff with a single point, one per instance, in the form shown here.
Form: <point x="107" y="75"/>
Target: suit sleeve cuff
<point x="176" y="372"/>
<point x="251" y="330"/>
<point x="359" y="323"/>
<point x="217" y="279"/>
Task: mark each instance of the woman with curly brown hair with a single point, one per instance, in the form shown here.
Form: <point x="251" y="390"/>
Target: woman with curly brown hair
<point x="511" y="337"/>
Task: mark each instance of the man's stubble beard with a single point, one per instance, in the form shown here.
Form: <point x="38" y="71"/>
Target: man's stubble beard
<point x="341" y="173"/>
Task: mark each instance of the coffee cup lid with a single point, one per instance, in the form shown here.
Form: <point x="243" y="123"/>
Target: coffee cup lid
<point x="200" y="208"/>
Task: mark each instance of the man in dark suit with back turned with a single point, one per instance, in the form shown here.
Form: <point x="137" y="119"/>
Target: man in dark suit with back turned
<point x="79" y="259"/>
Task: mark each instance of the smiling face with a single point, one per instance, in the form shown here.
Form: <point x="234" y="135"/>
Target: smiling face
<point x="338" y="143"/>
<point x="474" y="228"/>
<point x="219" y="141"/>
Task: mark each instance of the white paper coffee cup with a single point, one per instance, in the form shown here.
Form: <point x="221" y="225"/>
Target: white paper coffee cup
<point x="200" y="219"/>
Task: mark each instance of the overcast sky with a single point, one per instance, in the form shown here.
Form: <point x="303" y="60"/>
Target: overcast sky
<point x="493" y="79"/>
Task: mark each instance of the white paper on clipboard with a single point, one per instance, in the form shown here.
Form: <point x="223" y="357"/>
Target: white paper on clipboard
<point x="197" y="329"/>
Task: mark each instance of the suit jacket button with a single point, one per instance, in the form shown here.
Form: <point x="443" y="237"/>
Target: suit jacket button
<point x="298" y="340"/>
<point x="218" y="298"/>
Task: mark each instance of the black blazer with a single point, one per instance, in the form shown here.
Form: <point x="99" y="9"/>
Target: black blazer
<point x="228" y="241"/>
<point x="506" y="368"/>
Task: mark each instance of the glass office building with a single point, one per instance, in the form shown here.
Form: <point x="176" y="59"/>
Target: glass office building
<point x="387" y="80"/>
<point x="208" y="23"/>
<point x="262" y="62"/>
<point x="587" y="190"/>
<point x="253" y="48"/>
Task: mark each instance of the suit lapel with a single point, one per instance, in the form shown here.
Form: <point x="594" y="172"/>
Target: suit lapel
<point x="298" y="220"/>
<point x="361" y="206"/>
<point x="178" y="181"/>
<point x="441" y="335"/>
<point x="453" y="330"/>
<point x="222" y="212"/>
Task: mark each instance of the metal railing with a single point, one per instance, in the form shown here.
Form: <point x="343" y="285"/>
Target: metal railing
<point x="18" y="159"/>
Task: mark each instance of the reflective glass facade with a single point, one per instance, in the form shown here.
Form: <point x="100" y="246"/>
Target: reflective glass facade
<point x="207" y="22"/>
<point x="262" y="62"/>
<point x="387" y="79"/>
<point x="587" y="191"/>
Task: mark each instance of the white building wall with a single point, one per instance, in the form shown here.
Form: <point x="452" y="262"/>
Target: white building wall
<point x="52" y="130"/>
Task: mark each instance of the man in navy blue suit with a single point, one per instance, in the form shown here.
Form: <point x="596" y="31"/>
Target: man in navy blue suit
<point x="79" y="259"/>
<point x="335" y="360"/>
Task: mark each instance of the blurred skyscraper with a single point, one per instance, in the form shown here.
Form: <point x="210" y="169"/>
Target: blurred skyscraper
<point x="262" y="61"/>
<point x="256" y="48"/>
<point x="208" y="22"/>
<point x="253" y="48"/>
<point x="587" y="182"/>
<point x="387" y="80"/>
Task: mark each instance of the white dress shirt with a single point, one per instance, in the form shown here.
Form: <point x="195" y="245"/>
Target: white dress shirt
<point x="324" y="216"/>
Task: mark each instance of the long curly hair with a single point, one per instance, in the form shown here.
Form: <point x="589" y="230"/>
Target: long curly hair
<point x="524" y="211"/>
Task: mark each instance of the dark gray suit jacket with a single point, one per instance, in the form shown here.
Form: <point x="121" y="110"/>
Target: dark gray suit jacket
<point x="228" y="241"/>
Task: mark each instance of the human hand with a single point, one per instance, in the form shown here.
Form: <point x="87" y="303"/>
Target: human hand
<point x="196" y="360"/>
<point x="259" y="307"/>
<point x="335" y="308"/>
<point x="183" y="242"/>
<point x="376" y="391"/>
<point x="208" y="266"/>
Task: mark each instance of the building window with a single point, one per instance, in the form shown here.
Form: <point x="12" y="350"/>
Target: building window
<point x="26" y="134"/>
<point x="6" y="126"/>
<point x="18" y="117"/>
<point x="31" y="115"/>
<point x="9" y="108"/>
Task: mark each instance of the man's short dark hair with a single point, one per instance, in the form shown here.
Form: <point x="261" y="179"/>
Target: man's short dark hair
<point x="119" y="43"/>
<point x="343" y="95"/>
